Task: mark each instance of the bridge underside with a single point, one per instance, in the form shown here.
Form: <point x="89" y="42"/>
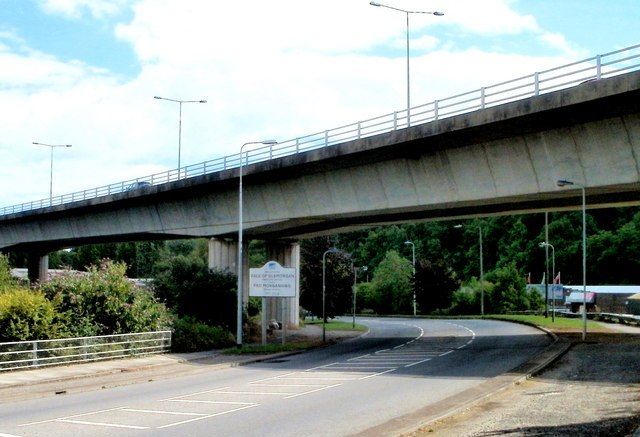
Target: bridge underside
<point x="501" y="160"/>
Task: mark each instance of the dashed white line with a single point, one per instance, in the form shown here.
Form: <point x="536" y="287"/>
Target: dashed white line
<point x="72" y="416"/>
<point x="418" y="362"/>
<point x="203" y="401"/>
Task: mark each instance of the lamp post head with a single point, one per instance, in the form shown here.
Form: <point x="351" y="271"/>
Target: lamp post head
<point x="543" y="244"/>
<point x="375" y="4"/>
<point x="364" y="268"/>
<point x="269" y="142"/>
<point x="156" y="97"/>
<point x="457" y="226"/>
<point x="564" y="182"/>
<point x="438" y="14"/>
<point x="202" y="101"/>
<point x="408" y="242"/>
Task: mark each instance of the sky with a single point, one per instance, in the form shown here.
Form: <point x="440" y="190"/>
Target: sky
<point x="84" y="72"/>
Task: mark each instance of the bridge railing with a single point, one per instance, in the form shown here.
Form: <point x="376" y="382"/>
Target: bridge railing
<point x="41" y="353"/>
<point x="565" y="76"/>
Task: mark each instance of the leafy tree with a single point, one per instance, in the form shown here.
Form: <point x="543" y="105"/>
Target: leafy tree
<point x="339" y="278"/>
<point x="25" y="315"/>
<point x="435" y="283"/>
<point x="188" y="287"/>
<point x="509" y="291"/>
<point x="392" y="285"/>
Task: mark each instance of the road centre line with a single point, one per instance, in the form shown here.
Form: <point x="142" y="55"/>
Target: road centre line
<point x="112" y="425"/>
<point x="367" y="367"/>
<point x="319" y="367"/>
<point x="136" y="410"/>
<point x="312" y="391"/>
<point x="203" y="401"/>
<point x="446" y="353"/>
<point x="328" y="378"/>
<point x="208" y="416"/>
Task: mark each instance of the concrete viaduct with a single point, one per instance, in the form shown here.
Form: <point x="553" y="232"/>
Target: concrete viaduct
<point x="500" y="160"/>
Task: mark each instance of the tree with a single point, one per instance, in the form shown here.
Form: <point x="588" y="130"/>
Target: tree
<point x="339" y="278"/>
<point x="435" y="283"/>
<point x="392" y="285"/>
<point x="509" y="292"/>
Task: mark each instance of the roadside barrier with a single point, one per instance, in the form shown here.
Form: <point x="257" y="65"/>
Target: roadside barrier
<point x="40" y="353"/>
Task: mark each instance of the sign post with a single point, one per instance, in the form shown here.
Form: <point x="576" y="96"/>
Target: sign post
<point x="272" y="280"/>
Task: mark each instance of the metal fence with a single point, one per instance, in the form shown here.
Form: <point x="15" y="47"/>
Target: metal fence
<point x="594" y="68"/>
<point x="41" y="353"/>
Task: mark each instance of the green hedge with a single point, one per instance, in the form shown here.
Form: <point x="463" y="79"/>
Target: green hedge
<point x="189" y="335"/>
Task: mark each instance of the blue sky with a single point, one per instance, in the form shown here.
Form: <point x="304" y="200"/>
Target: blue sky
<point x="85" y="72"/>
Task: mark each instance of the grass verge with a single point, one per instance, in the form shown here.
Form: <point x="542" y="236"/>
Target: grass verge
<point x="269" y="348"/>
<point x="337" y="325"/>
<point x="561" y="324"/>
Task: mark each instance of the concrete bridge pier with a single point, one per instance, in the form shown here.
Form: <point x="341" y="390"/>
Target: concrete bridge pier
<point x="223" y="254"/>
<point x="287" y="253"/>
<point x="37" y="267"/>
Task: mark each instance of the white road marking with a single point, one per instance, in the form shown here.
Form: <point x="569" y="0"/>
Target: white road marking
<point x="419" y="362"/>
<point x="252" y="393"/>
<point x="70" y="417"/>
<point x="136" y="410"/>
<point x="357" y="358"/>
<point x="312" y="391"/>
<point x="446" y="353"/>
<point x="319" y="367"/>
<point x="377" y="374"/>
<point x="195" y="394"/>
<point x="112" y="425"/>
<point x="328" y="378"/>
<point x="207" y="416"/>
<point x="199" y="401"/>
<point x="8" y="435"/>
<point x="290" y="385"/>
<point x="271" y="377"/>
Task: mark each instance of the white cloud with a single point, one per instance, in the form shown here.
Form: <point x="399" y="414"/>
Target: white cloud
<point x="77" y="8"/>
<point x="268" y="70"/>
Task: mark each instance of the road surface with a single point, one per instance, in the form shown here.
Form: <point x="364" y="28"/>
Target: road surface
<point x="398" y="367"/>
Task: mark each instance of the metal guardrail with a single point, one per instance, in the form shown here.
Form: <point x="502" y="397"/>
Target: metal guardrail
<point x="41" y="353"/>
<point x="594" y="68"/>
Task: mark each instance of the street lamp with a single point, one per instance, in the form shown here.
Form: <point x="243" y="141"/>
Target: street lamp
<point x="324" y="261"/>
<point x="437" y="14"/>
<point x="239" y="297"/>
<point x="355" y="285"/>
<point x="180" y="102"/>
<point x="413" y="251"/>
<point x="564" y="183"/>
<point x="545" y="245"/>
<point x="51" y="146"/>
<point x="481" y="268"/>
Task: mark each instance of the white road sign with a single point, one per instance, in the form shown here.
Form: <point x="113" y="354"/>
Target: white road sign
<point x="272" y="280"/>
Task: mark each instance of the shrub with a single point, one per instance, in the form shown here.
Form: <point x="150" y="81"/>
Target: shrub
<point x="104" y="302"/>
<point x="189" y="335"/>
<point x="189" y="288"/>
<point x="25" y="315"/>
<point x="6" y="280"/>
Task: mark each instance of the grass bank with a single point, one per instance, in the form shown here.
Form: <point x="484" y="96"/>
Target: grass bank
<point x="561" y="324"/>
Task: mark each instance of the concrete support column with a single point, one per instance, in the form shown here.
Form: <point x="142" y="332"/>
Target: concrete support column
<point x="37" y="267"/>
<point x="286" y="253"/>
<point x="223" y="254"/>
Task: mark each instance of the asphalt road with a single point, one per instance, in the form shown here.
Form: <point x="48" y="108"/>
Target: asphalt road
<point x="398" y="367"/>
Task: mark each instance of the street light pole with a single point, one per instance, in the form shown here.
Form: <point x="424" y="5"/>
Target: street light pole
<point x="51" y="147"/>
<point x="239" y="269"/>
<point x="413" y="251"/>
<point x="355" y="288"/>
<point x="481" y="267"/>
<point x="324" y="287"/>
<point x="180" y="102"/>
<point x="563" y="183"/>
<point x="546" y="245"/>
<point x="437" y="14"/>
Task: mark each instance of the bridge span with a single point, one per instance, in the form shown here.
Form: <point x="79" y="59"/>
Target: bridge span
<point x="503" y="159"/>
